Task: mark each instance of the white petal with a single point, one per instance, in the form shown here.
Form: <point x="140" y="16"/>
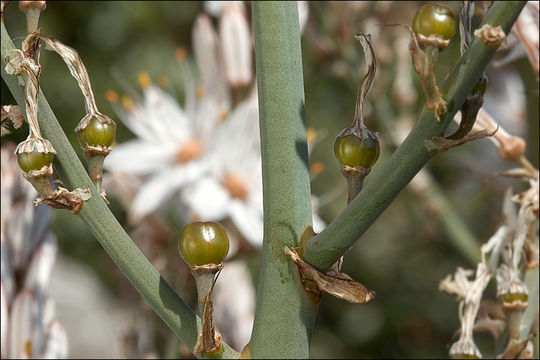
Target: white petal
<point x="249" y="220"/>
<point x="166" y="118"/>
<point x="208" y="199"/>
<point x="205" y="42"/>
<point x="162" y="186"/>
<point x="4" y="320"/>
<point x="56" y="345"/>
<point x="17" y="232"/>
<point x="8" y="279"/>
<point x="236" y="44"/>
<point x="39" y="270"/>
<point x="234" y="304"/>
<point x="140" y="157"/>
<point x="214" y="8"/>
<point x="22" y="325"/>
<point x="303" y="13"/>
<point x="318" y="223"/>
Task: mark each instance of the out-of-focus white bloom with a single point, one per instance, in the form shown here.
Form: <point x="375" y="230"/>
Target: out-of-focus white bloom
<point x="233" y="186"/>
<point x="215" y="8"/>
<point x="28" y="248"/>
<point x="208" y="152"/>
<point x="169" y="149"/>
<point x="469" y="294"/>
<point x="236" y="45"/>
<point x="234" y="303"/>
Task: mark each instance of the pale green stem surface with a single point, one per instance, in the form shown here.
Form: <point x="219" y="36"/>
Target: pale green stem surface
<point x="527" y="319"/>
<point x="326" y="248"/>
<point x="284" y="313"/>
<point x="103" y="225"/>
<point x="454" y="225"/>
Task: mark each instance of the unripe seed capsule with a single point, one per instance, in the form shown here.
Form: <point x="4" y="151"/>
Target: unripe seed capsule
<point x="96" y="133"/>
<point x="203" y="243"/>
<point x="354" y="151"/>
<point x="433" y="19"/>
<point x="33" y="160"/>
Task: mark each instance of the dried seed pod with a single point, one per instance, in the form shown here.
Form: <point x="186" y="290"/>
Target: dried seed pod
<point x="356" y="147"/>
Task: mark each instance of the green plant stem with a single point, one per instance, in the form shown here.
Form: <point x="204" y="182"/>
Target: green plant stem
<point x="103" y="225"/>
<point x="528" y="317"/>
<point x="284" y="312"/>
<point x="454" y="225"/>
<point x="327" y="247"/>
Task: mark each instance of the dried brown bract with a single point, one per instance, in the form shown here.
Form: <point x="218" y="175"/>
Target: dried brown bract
<point x="12" y="118"/>
<point x="65" y="199"/>
<point x="334" y="282"/>
<point x="491" y="36"/>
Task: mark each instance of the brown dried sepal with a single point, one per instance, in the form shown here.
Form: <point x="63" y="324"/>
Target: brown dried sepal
<point x="12" y="118"/>
<point x="443" y="144"/>
<point x="432" y="40"/>
<point x="90" y="150"/>
<point x="65" y="199"/>
<point x="334" y="282"/>
<point x="515" y="348"/>
<point x="44" y="173"/>
<point x="491" y="36"/>
<point x="424" y="58"/>
<point x="102" y="118"/>
<point x="208" y="339"/>
<point x="27" y="5"/>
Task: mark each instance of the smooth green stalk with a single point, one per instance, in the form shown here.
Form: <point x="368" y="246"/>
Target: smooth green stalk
<point x="285" y="313"/>
<point x="528" y="317"/>
<point x="453" y="223"/>
<point x="103" y="225"/>
<point x="327" y="247"/>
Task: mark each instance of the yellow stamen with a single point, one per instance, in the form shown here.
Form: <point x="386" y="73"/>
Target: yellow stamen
<point x="311" y="135"/>
<point x="163" y="81"/>
<point x="200" y="92"/>
<point x="316" y="168"/>
<point x="111" y="96"/>
<point x="28" y="348"/>
<point x="126" y="102"/>
<point x="192" y="149"/>
<point x="235" y="187"/>
<point x="222" y="114"/>
<point x="144" y="80"/>
<point x="181" y="54"/>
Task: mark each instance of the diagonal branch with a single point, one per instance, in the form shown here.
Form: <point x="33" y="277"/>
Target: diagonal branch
<point x="103" y="225"/>
<point x="326" y="248"/>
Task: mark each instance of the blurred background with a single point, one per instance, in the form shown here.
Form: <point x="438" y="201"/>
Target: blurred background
<point x="403" y="256"/>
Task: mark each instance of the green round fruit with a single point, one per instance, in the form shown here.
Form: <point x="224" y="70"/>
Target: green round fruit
<point x="97" y="133"/>
<point x="34" y="160"/>
<point x="434" y="20"/>
<point x="203" y="243"/>
<point x="510" y="298"/>
<point x="354" y="151"/>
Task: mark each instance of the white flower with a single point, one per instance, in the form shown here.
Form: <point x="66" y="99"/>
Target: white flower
<point x="170" y="147"/>
<point x="28" y="327"/>
<point x="233" y="187"/>
<point x="207" y="152"/>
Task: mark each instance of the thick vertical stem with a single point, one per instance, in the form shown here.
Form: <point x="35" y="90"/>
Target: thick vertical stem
<point x="284" y="314"/>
